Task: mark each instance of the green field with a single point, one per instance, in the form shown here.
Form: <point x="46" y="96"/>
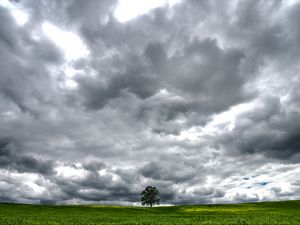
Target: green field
<point x="287" y="212"/>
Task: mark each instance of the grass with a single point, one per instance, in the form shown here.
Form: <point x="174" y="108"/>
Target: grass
<point x="275" y="213"/>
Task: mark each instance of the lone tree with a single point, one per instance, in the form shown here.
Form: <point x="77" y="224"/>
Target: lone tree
<point x="150" y="196"/>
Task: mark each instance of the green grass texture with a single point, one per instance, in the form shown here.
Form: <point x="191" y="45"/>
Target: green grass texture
<point x="275" y="213"/>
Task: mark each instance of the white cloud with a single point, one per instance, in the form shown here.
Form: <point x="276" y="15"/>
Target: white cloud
<point x="69" y="42"/>
<point x="129" y="9"/>
<point x="70" y="172"/>
<point x="136" y="109"/>
<point x="19" y="15"/>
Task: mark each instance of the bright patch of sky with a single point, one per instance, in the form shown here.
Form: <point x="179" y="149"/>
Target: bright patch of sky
<point x="129" y="9"/>
<point x="222" y="122"/>
<point x="71" y="171"/>
<point x="19" y="15"/>
<point x="66" y="40"/>
<point x="225" y="121"/>
<point x="292" y="2"/>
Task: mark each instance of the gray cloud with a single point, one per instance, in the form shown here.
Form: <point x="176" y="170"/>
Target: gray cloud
<point x="24" y="64"/>
<point x="269" y="129"/>
<point x="199" y="99"/>
<point x="12" y="158"/>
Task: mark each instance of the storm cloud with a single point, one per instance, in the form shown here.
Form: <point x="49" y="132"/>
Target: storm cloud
<point x="197" y="98"/>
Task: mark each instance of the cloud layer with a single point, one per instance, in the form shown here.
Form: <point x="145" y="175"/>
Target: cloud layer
<point x="199" y="99"/>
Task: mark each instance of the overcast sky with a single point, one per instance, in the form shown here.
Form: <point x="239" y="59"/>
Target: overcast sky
<point x="99" y="99"/>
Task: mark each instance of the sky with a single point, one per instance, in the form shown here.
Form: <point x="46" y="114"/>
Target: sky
<point x="101" y="98"/>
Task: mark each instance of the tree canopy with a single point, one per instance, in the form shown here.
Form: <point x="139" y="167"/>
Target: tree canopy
<point x="150" y="196"/>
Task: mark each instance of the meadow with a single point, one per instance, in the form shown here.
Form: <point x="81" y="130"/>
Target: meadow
<point x="285" y="212"/>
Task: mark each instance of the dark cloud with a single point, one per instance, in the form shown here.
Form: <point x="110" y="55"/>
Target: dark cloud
<point x="208" y="75"/>
<point x="269" y="129"/>
<point x="24" y="64"/>
<point x="91" y="191"/>
<point x="192" y="99"/>
<point x="135" y="80"/>
<point x="166" y="171"/>
<point x="12" y="158"/>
